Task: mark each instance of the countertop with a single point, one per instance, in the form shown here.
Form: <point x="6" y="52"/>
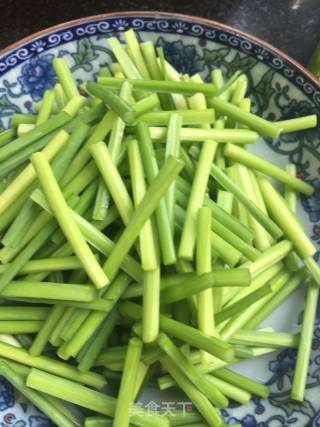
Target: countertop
<point x="291" y="25"/>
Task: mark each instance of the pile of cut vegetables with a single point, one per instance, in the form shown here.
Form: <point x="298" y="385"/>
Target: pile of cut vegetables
<point x="143" y="244"/>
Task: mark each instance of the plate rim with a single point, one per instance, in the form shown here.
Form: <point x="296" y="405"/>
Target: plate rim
<point x="158" y="14"/>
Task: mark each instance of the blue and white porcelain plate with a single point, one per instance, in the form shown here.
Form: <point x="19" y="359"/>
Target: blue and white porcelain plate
<point x="279" y="88"/>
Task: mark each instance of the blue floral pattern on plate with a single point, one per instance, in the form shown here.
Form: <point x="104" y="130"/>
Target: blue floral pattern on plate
<point x="183" y="58"/>
<point x="278" y="89"/>
<point x="37" y="76"/>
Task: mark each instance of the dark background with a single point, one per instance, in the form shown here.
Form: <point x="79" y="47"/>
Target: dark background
<point x="291" y="25"/>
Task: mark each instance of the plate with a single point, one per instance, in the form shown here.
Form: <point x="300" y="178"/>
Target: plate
<point x="279" y="88"/>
